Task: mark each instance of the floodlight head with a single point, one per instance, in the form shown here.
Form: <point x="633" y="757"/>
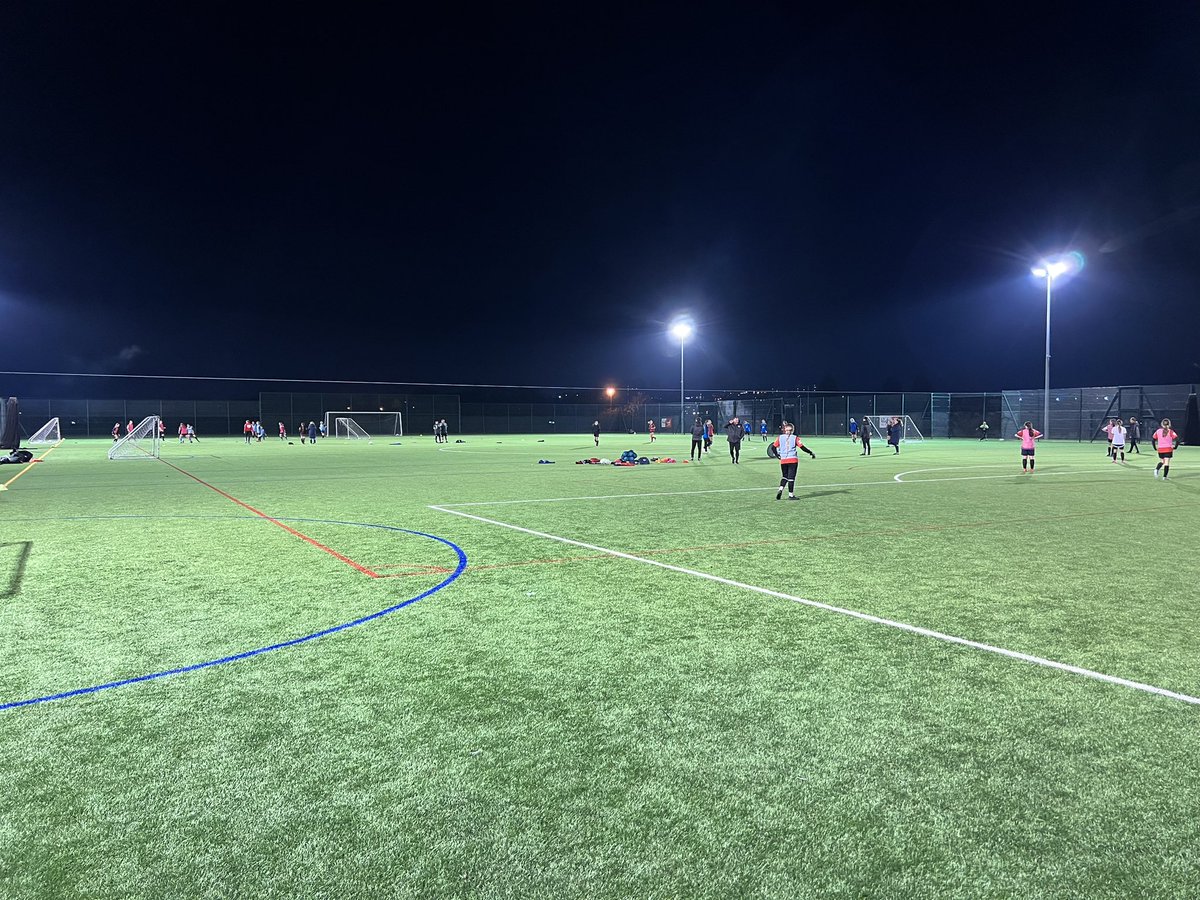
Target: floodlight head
<point x="1059" y="265"/>
<point x="610" y="391"/>
<point x="682" y="329"/>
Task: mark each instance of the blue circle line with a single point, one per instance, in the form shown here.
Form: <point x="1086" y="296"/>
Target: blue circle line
<point x="459" y="569"/>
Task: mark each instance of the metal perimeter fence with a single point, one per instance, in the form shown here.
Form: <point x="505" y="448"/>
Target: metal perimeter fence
<point x="1075" y="413"/>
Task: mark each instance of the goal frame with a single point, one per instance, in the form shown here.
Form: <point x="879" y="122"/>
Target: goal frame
<point x="332" y="416"/>
<point x="141" y="443"/>
<point x="50" y="433"/>
<point x="911" y="434"/>
<point x="345" y="427"/>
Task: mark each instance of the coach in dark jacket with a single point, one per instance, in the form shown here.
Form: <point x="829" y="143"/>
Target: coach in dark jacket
<point x="734" y="432"/>
<point x="893" y="431"/>
<point x="698" y="439"/>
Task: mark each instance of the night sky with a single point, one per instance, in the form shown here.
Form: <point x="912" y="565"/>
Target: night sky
<point x="847" y="195"/>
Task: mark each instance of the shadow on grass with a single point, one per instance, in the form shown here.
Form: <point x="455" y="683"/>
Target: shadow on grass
<point x="18" y="553"/>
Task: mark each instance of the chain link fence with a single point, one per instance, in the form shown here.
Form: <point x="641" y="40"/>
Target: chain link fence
<point x="1075" y="413"/>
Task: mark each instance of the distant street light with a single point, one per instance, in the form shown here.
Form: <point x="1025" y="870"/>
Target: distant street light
<point x="1051" y="269"/>
<point x="610" y="392"/>
<point x="682" y="328"/>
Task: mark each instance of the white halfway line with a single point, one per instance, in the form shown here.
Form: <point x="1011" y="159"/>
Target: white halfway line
<point x="854" y="614"/>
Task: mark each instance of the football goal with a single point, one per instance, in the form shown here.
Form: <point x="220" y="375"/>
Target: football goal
<point x="345" y="427"/>
<point x="909" y="432"/>
<point x="369" y="424"/>
<point x="50" y="433"/>
<point x="141" y="443"/>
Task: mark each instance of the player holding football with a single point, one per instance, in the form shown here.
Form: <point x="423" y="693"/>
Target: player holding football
<point x="1165" y="442"/>
<point x="788" y="446"/>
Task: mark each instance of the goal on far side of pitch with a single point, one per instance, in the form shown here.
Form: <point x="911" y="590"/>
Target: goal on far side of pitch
<point x="370" y="423"/>
<point x="909" y="432"/>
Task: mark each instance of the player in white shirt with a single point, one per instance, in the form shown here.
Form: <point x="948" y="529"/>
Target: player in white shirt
<point x="1117" y="436"/>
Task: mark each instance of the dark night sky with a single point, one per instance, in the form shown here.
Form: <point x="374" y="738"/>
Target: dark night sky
<point x="526" y="194"/>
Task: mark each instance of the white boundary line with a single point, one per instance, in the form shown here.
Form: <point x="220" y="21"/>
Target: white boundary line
<point x="895" y="479"/>
<point x="899" y="476"/>
<point x="865" y="617"/>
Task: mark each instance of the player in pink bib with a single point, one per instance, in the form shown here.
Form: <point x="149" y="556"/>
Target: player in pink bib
<point x="1028" y="435"/>
<point x="1165" y="442"/>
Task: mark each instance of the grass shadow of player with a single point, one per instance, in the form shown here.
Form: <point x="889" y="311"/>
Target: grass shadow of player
<point x="813" y="494"/>
<point x="13" y="557"/>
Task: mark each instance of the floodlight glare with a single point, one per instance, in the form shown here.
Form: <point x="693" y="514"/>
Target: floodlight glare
<point x="682" y="328"/>
<point x="1051" y="269"/>
<point x="610" y="391"/>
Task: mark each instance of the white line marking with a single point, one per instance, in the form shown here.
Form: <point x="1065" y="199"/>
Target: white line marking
<point x="865" y="617"/>
<point x="773" y="487"/>
<point x="899" y="476"/>
<point x="645" y="494"/>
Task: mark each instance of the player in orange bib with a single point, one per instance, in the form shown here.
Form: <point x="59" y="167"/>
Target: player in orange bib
<point x="1165" y="442"/>
<point x="788" y="447"/>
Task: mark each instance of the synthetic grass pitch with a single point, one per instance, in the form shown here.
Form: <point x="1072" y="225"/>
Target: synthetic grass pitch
<point x="565" y="718"/>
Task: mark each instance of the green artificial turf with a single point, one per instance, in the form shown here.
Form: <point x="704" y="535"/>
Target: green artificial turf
<point x="562" y="722"/>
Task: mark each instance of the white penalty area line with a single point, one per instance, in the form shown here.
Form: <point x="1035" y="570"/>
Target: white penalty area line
<point x="854" y="614"/>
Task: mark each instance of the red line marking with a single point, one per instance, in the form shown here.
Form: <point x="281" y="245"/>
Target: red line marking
<point x="292" y="531"/>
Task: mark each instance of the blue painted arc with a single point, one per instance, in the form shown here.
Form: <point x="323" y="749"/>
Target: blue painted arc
<point x="258" y="651"/>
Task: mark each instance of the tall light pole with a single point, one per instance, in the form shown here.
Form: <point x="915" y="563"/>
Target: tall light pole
<point x="1049" y="270"/>
<point x="683" y="329"/>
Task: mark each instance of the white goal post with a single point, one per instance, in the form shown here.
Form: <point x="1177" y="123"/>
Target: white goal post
<point x="141" y="443"/>
<point x="345" y="427"/>
<point x="50" y="433"/>
<point x="371" y="422"/>
<point x="909" y="432"/>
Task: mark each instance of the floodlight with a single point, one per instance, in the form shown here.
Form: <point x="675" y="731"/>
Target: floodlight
<point x="1051" y="269"/>
<point x="682" y="328"/>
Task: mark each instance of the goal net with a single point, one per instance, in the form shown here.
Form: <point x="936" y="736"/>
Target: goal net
<point x="909" y="432"/>
<point x="378" y="424"/>
<point x="50" y="433"/>
<point x="345" y="427"/>
<point x="141" y="443"/>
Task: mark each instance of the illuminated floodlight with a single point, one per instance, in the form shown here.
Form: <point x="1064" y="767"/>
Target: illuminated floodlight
<point x="1050" y="269"/>
<point x="611" y="391"/>
<point x="1066" y="264"/>
<point x="682" y="329"/>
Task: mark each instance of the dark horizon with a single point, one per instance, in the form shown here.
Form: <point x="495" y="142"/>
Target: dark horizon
<point x="849" y="198"/>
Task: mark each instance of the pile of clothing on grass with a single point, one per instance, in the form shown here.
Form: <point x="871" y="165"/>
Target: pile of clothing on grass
<point x="628" y="458"/>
